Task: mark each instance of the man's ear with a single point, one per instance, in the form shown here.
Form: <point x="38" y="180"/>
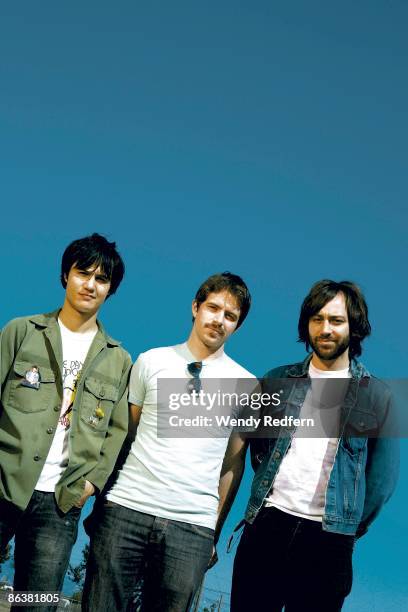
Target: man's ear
<point x="194" y="308"/>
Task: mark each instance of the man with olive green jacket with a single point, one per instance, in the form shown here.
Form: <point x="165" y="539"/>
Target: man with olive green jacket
<point x="63" y="415"/>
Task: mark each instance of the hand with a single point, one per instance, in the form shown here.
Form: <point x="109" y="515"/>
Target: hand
<point x="214" y="558"/>
<point x="89" y="490"/>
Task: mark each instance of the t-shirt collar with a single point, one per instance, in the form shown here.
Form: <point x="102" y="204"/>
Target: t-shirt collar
<point x="208" y="360"/>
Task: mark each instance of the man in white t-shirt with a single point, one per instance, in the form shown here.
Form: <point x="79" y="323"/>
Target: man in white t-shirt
<point x="315" y="491"/>
<point x="162" y="516"/>
<point x="63" y="417"/>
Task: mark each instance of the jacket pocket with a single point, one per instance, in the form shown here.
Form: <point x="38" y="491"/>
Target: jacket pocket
<point x="27" y="397"/>
<point x="362" y="424"/>
<point x="359" y="427"/>
<point x="97" y="404"/>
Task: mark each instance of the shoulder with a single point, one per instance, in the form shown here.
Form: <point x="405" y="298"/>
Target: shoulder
<point x="156" y="354"/>
<point x="282" y="371"/>
<point x="19" y="325"/>
<point x="13" y="335"/>
<point x="118" y="348"/>
<point x="377" y="388"/>
<point x="155" y="357"/>
<point x="126" y="357"/>
<point x="115" y="348"/>
<point x="117" y="351"/>
<point x="368" y="381"/>
<point x="235" y="369"/>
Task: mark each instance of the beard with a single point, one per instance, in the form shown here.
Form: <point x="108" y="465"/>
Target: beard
<point x="328" y="354"/>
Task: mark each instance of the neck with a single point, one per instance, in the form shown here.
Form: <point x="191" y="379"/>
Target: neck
<point x="77" y="321"/>
<point x="198" y="348"/>
<point x="339" y="363"/>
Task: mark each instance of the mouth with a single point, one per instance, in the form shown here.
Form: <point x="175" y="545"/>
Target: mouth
<point x="87" y="297"/>
<point x="214" y="330"/>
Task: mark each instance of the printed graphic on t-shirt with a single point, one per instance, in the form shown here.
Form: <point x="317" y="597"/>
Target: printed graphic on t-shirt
<point x="70" y="378"/>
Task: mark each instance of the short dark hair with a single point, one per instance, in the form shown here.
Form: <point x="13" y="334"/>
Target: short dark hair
<point x="94" y="250"/>
<point x="357" y="311"/>
<point x="226" y="281"/>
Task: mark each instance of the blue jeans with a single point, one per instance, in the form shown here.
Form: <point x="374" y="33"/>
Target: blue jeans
<point x="287" y="561"/>
<point x="126" y="546"/>
<point x="44" y="538"/>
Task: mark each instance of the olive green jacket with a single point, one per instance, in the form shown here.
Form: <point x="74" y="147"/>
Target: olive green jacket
<point x="29" y="416"/>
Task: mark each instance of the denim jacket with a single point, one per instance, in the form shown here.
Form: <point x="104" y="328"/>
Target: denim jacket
<point x="366" y="465"/>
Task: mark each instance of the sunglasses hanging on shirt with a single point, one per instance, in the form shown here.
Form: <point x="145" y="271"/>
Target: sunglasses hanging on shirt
<point x="194" y="369"/>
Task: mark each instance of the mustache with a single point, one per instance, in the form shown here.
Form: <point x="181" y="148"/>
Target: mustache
<point x="217" y="328"/>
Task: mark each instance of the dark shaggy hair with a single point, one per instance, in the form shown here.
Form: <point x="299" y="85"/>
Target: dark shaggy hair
<point x="96" y="251"/>
<point x="226" y="282"/>
<point x="357" y="311"/>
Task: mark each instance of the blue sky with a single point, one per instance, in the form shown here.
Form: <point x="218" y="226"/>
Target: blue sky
<point x="264" y="138"/>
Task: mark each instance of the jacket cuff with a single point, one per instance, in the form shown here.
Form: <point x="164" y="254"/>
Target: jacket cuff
<point x="97" y="478"/>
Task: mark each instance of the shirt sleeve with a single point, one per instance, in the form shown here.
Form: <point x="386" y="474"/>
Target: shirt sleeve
<point x="137" y="383"/>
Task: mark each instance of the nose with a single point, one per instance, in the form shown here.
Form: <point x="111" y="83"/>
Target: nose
<point x="326" y="327"/>
<point x="90" y="282"/>
<point x="218" y="317"/>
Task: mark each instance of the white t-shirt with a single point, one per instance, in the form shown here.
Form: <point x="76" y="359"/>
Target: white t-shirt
<point x="75" y="347"/>
<point x="174" y="478"/>
<point x="300" y="484"/>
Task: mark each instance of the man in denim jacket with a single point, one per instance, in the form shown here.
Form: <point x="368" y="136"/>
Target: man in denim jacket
<point x="313" y="496"/>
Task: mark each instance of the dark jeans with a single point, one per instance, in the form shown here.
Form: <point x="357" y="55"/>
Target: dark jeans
<point x="126" y="545"/>
<point x="283" y="560"/>
<point x="44" y="538"/>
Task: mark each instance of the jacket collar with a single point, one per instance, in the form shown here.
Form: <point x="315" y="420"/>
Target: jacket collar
<point x="301" y="369"/>
<point x="50" y="319"/>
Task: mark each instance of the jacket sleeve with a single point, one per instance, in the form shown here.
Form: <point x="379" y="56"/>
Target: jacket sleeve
<point x="382" y="466"/>
<point x="116" y="434"/>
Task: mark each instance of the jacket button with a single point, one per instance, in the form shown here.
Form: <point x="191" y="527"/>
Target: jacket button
<point x="57" y="408"/>
<point x="102" y="392"/>
<point x="265" y="483"/>
<point x="50" y="430"/>
<point x="361" y="423"/>
<point x="36" y="457"/>
<point x="276" y="455"/>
